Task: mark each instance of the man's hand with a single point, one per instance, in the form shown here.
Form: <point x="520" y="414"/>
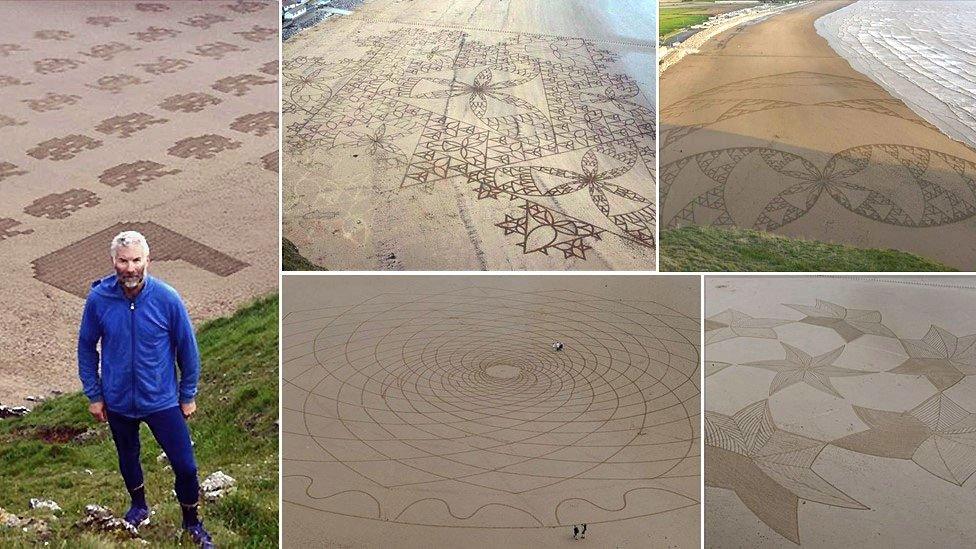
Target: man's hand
<point x="188" y="409"/>
<point x="97" y="410"/>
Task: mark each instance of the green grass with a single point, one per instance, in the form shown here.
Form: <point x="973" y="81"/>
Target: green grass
<point x="672" y="20"/>
<point x="292" y="260"/>
<point x="713" y="249"/>
<point x="234" y="430"/>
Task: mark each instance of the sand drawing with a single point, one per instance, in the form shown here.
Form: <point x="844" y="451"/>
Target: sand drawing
<point x="202" y="147"/>
<point x="769" y="469"/>
<point x="529" y="120"/>
<point x="451" y="409"/>
<point x="9" y="169"/>
<point x="113" y="116"/>
<point x="131" y="175"/>
<point x="804" y="145"/>
<point x="51" y="102"/>
<point x="63" y="148"/>
<point x="61" y="205"/>
<point x="124" y="126"/>
<point x="858" y="358"/>
<point x="937" y="188"/>
<point x="75" y="266"/>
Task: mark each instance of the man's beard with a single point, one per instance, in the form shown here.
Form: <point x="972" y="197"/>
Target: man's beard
<point x="133" y="282"/>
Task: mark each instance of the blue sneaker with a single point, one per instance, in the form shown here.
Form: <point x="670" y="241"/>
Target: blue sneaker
<point x="200" y="536"/>
<point x="137" y="517"/>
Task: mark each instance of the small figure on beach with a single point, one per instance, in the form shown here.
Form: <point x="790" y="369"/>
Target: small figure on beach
<point x="579" y="531"/>
<point x="557" y="346"/>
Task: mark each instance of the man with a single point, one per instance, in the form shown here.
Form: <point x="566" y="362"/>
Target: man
<point x="145" y="332"/>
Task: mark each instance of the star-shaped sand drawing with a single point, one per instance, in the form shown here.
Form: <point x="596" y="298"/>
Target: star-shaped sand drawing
<point x="938" y="435"/>
<point x="768" y="469"/>
<point x="713" y="367"/>
<point x="731" y="323"/>
<point x="849" y="324"/>
<point x="800" y="367"/>
<point x="940" y="356"/>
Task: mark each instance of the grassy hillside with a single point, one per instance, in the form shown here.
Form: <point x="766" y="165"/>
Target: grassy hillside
<point x="674" y="19"/>
<point x="714" y="249"/>
<point x="234" y="430"/>
<point x="293" y="260"/>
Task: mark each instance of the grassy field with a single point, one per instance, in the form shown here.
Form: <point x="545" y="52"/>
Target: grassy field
<point x="234" y="430"/>
<point x="293" y="260"/>
<point x="674" y="19"/>
<point x="713" y="249"/>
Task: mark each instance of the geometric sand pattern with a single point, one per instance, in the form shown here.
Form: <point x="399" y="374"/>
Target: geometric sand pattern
<point x="537" y="130"/>
<point x="787" y="396"/>
<point x="74" y="267"/>
<point x="451" y="408"/>
<point x="803" y="145"/>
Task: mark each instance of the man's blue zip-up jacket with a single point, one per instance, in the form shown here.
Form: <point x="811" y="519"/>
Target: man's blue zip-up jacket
<point x="142" y="341"/>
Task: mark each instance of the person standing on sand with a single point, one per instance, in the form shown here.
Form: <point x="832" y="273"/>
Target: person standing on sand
<point x="145" y="332"/>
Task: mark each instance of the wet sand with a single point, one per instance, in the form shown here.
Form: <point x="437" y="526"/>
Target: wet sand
<point x="768" y="128"/>
<point x="434" y="411"/>
<point x="463" y="135"/>
<point x="931" y="67"/>
<point x="840" y="411"/>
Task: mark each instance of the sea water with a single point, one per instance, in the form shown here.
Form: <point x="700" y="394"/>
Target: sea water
<point x="923" y="52"/>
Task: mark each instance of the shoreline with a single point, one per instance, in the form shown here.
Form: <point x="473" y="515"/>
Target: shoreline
<point x="751" y="124"/>
<point x="913" y="94"/>
<point x="668" y="56"/>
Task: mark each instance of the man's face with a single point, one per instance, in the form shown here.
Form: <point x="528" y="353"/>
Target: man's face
<point x="131" y="263"/>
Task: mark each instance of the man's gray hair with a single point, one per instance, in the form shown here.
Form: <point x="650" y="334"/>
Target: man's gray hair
<point x="128" y="238"/>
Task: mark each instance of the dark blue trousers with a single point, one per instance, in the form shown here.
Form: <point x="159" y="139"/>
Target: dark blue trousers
<point x="171" y="432"/>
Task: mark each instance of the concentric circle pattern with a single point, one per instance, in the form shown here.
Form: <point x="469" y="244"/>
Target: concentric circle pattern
<point x="454" y="409"/>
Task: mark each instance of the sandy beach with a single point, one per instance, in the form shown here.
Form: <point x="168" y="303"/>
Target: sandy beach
<point x="468" y="136"/>
<point x="160" y="116"/>
<point x="840" y="412"/>
<point x="434" y="412"/>
<point x="767" y="127"/>
<point x="692" y="39"/>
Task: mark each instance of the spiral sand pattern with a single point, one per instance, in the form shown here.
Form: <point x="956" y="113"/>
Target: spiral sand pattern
<point x="453" y="409"/>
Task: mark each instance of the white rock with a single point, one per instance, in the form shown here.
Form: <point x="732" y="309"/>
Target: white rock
<point x="102" y="519"/>
<point x="45" y="504"/>
<point x="13" y="411"/>
<point x="218" y="485"/>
